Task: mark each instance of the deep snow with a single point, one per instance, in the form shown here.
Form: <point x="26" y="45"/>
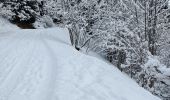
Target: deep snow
<point x="42" y="65"/>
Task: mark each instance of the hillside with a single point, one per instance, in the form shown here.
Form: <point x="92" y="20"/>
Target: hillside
<point x="42" y="65"/>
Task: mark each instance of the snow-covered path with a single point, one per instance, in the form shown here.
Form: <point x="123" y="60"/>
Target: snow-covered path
<point x="42" y="65"/>
<point x="27" y="64"/>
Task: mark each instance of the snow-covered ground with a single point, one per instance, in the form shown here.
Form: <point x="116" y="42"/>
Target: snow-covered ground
<point x="42" y="65"/>
<point x="6" y="26"/>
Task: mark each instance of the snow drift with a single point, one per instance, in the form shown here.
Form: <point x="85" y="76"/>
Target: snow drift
<point x="42" y="65"/>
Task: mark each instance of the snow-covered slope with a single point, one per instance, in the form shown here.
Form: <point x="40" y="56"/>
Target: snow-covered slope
<point x="42" y="65"/>
<point x="6" y="26"/>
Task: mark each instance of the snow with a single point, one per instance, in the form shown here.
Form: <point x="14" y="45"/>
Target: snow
<point x="44" y="22"/>
<point x="153" y="61"/>
<point x="41" y="64"/>
<point x="6" y="26"/>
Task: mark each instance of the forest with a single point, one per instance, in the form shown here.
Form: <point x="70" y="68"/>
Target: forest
<point x="133" y="35"/>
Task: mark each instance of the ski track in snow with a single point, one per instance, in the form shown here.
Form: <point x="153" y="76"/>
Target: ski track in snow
<point x="38" y="65"/>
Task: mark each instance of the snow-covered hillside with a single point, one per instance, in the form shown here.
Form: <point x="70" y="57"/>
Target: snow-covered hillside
<point x="42" y="65"/>
<point x="6" y="26"/>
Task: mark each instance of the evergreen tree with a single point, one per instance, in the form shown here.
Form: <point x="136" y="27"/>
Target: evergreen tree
<point x="23" y="11"/>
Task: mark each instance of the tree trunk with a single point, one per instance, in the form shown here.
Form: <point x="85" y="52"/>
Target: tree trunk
<point x="71" y="36"/>
<point x="152" y="27"/>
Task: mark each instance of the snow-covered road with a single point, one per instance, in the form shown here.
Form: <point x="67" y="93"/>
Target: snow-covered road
<point x="42" y="65"/>
<point x="27" y="64"/>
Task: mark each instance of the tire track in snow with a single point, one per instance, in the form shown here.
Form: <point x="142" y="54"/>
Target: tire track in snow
<point x="40" y="79"/>
<point x="25" y="83"/>
<point x="50" y="68"/>
<point x="28" y="87"/>
<point x="15" y="74"/>
<point x="7" y="58"/>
